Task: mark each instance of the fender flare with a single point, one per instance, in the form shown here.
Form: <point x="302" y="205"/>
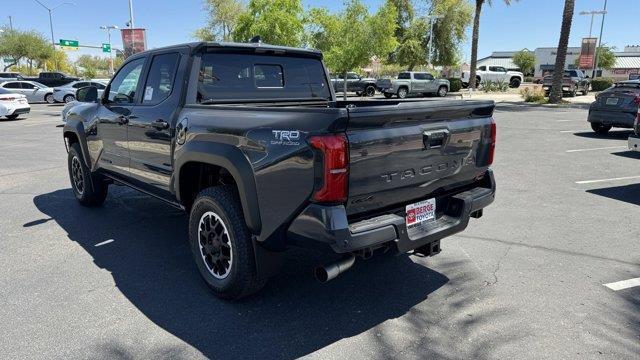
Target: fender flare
<point x="77" y="128"/>
<point x="235" y="162"/>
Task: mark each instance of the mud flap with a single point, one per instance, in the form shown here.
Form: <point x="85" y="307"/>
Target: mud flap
<point x="268" y="263"/>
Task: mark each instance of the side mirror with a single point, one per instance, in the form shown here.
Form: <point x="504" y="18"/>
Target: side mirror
<point x="87" y="94"/>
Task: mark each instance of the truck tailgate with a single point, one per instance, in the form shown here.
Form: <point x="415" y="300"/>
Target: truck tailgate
<point x="403" y="152"/>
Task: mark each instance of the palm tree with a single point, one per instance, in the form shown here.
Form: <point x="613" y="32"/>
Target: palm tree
<point x="558" y="72"/>
<point x="474" y="40"/>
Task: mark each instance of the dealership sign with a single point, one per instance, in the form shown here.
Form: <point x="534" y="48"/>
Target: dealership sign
<point x="133" y="41"/>
<point x="587" y="53"/>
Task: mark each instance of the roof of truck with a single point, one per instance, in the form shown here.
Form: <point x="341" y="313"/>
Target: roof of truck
<point x="257" y="47"/>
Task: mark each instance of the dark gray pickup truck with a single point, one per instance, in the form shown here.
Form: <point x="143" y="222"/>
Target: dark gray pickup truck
<point x="250" y="140"/>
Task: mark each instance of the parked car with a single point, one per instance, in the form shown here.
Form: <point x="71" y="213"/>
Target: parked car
<point x="615" y="107"/>
<point x="53" y="78"/>
<point x="412" y="83"/>
<point x="6" y="76"/>
<point x="355" y="83"/>
<point x="494" y="73"/>
<point x="13" y="105"/>
<point x="67" y="93"/>
<point x="573" y="81"/>
<point x="256" y="148"/>
<point x="34" y="92"/>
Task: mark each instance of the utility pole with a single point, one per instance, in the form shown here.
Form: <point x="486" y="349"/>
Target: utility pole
<point x="50" y="10"/>
<point x="432" y="19"/>
<point x="595" y="61"/>
<point x="10" y="23"/>
<point x="109" y="28"/>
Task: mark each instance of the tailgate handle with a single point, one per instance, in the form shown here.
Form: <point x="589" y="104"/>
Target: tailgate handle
<point x="434" y="139"/>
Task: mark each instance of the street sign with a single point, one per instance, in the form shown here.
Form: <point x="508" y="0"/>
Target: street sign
<point x="7" y="60"/>
<point x="106" y="48"/>
<point x="69" y="44"/>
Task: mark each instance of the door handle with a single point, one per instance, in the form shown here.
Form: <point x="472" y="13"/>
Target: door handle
<point x="160" y="124"/>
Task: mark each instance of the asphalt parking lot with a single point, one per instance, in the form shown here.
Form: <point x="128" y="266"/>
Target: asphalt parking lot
<point x="525" y="281"/>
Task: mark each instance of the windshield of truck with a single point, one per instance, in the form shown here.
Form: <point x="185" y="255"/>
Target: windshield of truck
<point x="255" y="77"/>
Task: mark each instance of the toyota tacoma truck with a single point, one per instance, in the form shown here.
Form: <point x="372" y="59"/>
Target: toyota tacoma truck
<point x="251" y="142"/>
<point x="495" y="74"/>
<point x="412" y="83"/>
<point x="355" y="83"/>
<point x="573" y="81"/>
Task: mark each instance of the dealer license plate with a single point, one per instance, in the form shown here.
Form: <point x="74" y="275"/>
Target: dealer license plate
<point x="417" y="215"/>
<point x="612" y="101"/>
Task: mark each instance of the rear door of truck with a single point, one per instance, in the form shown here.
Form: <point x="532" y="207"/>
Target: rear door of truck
<point x="407" y="152"/>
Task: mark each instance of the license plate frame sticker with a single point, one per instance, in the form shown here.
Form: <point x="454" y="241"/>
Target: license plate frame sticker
<point x="417" y="215"/>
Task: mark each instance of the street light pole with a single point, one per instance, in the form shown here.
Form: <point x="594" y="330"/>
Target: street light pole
<point x="593" y="13"/>
<point x="50" y="10"/>
<point x="131" y="14"/>
<point x="432" y="18"/>
<point x="595" y="61"/>
<point x="109" y="28"/>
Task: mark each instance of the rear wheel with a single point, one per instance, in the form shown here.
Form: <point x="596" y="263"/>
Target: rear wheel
<point x="90" y="189"/>
<point x="442" y="91"/>
<point x="600" y="129"/>
<point x="402" y="92"/>
<point x="514" y="83"/>
<point x="69" y="98"/>
<point x="49" y="99"/>
<point x="221" y="243"/>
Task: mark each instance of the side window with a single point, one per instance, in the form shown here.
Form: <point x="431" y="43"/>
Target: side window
<point x="420" y="76"/>
<point x="122" y="89"/>
<point x="26" y="85"/>
<point x="98" y="85"/>
<point x="268" y="75"/>
<point x="12" y="85"/>
<point x="482" y="68"/>
<point x="79" y="85"/>
<point x="404" y="76"/>
<point x="352" y="76"/>
<point x="429" y="76"/>
<point x="160" y="79"/>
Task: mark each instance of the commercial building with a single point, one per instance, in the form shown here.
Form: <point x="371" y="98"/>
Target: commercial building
<point x="627" y="61"/>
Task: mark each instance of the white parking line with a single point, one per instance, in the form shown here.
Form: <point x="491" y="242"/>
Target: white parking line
<point x="624" y="284"/>
<point x="599" y="148"/>
<point x="571" y="131"/>
<point x="605" y="180"/>
<point x="567" y="120"/>
<point x="103" y="243"/>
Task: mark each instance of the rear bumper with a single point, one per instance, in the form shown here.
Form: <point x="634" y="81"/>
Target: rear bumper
<point x="634" y="143"/>
<point x="321" y="226"/>
<point x="613" y="118"/>
<point x="19" y="110"/>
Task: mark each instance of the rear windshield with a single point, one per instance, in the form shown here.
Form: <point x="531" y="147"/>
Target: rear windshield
<point x="255" y="77"/>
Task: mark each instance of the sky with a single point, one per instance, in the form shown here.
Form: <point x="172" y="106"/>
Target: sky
<point x="524" y="24"/>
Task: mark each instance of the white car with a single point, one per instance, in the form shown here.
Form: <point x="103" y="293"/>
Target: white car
<point x="67" y="93"/>
<point x="33" y="91"/>
<point x="494" y="73"/>
<point x="13" y="105"/>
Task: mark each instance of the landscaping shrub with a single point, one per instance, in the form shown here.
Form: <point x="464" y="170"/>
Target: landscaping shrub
<point x="532" y="94"/>
<point x="601" y="84"/>
<point x="494" y="86"/>
<point x="528" y="79"/>
<point x="455" y="84"/>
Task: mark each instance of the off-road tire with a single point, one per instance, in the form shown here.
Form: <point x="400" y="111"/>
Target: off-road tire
<point x="600" y="129"/>
<point x="242" y="278"/>
<point x="402" y="92"/>
<point x="93" y="190"/>
<point x="369" y="91"/>
<point x="442" y="91"/>
<point x="515" y="83"/>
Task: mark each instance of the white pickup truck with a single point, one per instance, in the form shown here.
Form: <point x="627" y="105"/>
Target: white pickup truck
<point x="494" y="73"/>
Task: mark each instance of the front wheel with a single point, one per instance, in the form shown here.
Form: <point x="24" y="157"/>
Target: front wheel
<point x="514" y="83"/>
<point x="69" y="98"/>
<point x="370" y="91"/>
<point x="49" y="99"/>
<point x="402" y="93"/>
<point x="89" y="189"/>
<point x="600" y="129"/>
<point x="221" y="243"/>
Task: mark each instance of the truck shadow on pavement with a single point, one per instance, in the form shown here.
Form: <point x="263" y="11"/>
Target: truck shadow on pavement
<point x="626" y="193"/>
<point x="151" y="265"/>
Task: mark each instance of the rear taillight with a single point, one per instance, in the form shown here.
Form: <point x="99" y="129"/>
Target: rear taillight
<point x="637" y="100"/>
<point x="333" y="180"/>
<point x="636" y="123"/>
<point x="492" y="145"/>
<point x="8" y="99"/>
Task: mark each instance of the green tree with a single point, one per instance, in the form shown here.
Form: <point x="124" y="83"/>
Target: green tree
<point x="606" y="58"/>
<point x="404" y="16"/>
<point x="412" y="50"/>
<point x="474" y="39"/>
<point x="556" y="87"/>
<point x="352" y="37"/>
<point x="449" y="32"/>
<point x="278" y="22"/>
<point x="223" y="17"/>
<point x="23" y="45"/>
<point x="525" y="60"/>
<point x="59" y="60"/>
